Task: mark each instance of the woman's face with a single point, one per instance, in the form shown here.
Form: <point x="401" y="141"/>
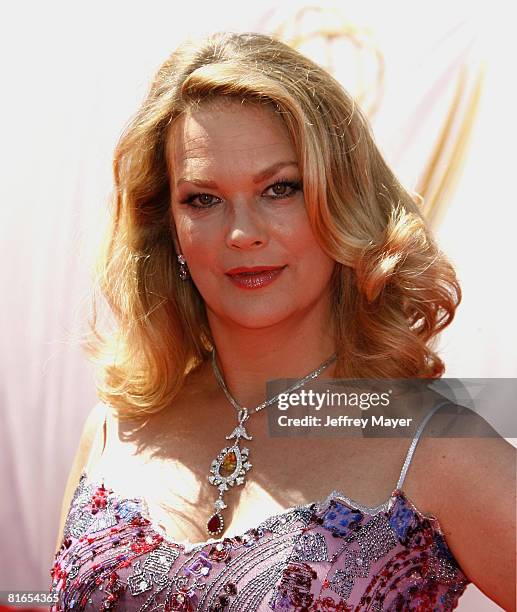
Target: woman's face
<point x="237" y="201"/>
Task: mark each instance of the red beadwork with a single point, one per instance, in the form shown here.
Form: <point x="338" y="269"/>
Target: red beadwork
<point x="230" y="588"/>
<point x="221" y="551"/>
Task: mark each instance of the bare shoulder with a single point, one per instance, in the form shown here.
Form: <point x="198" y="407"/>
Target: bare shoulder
<point x="91" y="441"/>
<point x="474" y="475"/>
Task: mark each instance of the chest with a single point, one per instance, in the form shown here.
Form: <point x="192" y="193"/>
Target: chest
<point x="285" y="473"/>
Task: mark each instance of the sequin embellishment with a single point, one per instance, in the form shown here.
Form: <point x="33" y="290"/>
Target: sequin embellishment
<point x="325" y="556"/>
<point x="310" y="547"/>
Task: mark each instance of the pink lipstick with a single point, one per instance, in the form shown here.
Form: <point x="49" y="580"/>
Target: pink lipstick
<point x="254" y="278"/>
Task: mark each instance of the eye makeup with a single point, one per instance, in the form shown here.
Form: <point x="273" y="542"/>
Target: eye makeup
<point x="292" y="187"/>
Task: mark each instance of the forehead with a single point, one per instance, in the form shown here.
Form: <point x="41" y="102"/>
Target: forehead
<point x="228" y="132"/>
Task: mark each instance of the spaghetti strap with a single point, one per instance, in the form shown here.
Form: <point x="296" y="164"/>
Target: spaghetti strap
<point x="412" y="447"/>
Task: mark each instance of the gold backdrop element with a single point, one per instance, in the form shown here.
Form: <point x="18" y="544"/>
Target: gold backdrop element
<point x="443" y="169"/>
<point x="323" y="33"/>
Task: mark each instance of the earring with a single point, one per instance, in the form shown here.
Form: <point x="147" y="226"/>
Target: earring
<point x="183" y="268"/>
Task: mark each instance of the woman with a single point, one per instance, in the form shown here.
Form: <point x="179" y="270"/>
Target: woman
<point x="258" y="234"/>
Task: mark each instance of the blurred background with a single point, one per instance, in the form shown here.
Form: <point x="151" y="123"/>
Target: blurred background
<point x="435" y="80"/>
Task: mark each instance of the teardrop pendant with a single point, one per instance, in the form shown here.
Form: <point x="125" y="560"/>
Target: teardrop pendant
<point x="215" y="524"/>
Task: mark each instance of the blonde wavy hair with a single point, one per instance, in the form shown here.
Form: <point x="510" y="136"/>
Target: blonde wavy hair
<point x="393" y="290"/>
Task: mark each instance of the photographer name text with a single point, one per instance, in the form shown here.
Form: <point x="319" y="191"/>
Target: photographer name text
<point x="342" y="421"/>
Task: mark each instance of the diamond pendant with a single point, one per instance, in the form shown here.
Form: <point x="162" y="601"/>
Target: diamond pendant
<point x="228" y="469"/>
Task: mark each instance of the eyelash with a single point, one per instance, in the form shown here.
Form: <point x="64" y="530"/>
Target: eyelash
<point x="295" y="186"/>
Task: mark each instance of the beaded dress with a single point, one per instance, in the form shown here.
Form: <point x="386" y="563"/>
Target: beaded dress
<point x="331" y="555"/>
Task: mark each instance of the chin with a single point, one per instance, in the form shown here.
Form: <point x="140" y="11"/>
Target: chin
<point x="251" y="320"/>
<point x="257" y="324"/>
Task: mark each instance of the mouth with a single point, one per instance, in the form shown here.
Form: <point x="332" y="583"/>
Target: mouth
<point x="254" y="278"/>
<point x="243" y="271"/>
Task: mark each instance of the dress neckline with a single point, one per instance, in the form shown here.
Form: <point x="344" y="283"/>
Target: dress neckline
<point x="336" y="495"/>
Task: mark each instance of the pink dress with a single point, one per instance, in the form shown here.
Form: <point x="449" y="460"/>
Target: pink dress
<point x="335" y="554"/>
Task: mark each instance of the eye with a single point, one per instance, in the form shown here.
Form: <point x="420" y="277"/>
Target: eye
<point x="284" y="189"/>
<point x="280" y="189"/>
<point x="205" y="200"/>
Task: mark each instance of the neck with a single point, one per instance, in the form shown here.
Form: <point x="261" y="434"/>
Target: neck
<point x="248" y="358"/>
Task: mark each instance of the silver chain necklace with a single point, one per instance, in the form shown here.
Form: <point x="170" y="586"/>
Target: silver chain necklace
<point x="231" y="464"/>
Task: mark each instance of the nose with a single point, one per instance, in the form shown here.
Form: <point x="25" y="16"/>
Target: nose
<point x="247" y="227"/>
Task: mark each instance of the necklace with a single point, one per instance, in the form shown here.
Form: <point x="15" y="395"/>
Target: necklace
<point x="231" y="464"/>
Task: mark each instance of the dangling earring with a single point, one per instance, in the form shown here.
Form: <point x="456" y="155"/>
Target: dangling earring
<point x="183" y="268"/>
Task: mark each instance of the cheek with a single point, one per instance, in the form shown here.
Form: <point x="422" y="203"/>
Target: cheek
<point x="194" y="239"/>
<point x="315" y="263"/>
<point x="318" y="265"/>
<point x="302" y="241"/>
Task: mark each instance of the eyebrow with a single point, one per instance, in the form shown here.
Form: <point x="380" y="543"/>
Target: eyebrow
<point x="261" y="176"/>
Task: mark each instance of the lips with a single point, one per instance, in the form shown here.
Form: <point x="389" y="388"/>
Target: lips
<point x="245" y="271"/>
<point x="254" y="278"/>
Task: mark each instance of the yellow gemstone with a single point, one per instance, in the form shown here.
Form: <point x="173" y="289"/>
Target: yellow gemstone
<point x="228" y="464"/>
